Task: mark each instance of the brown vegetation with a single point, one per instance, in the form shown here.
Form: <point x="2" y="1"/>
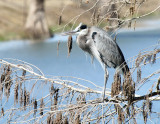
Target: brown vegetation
<point x="13" y="14"/>
<point x="65" y="100"/>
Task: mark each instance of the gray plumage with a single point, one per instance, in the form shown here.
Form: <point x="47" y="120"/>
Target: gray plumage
<point x="100" y="45"/>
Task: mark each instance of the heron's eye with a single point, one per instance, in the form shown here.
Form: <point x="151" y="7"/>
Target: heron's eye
<point x="83" y="27"/>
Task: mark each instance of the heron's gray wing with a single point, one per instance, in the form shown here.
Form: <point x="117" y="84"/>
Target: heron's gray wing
<point x="108" y="49"/>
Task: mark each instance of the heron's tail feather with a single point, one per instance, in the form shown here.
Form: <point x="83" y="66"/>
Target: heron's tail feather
<point x="125" y="69"/>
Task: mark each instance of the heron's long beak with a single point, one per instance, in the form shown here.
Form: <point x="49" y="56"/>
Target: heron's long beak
<point x="69" y="33"/>
<point x="74" y="32"/>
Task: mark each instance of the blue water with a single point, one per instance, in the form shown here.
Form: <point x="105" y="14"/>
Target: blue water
<point x="57" y="63"/>
<point x="78" y="64"/>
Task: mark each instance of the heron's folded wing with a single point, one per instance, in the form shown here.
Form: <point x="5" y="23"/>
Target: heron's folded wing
<point x="108" y="49"/>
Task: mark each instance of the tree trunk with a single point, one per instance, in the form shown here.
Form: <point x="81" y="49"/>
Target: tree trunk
<point x="36" y="24"/>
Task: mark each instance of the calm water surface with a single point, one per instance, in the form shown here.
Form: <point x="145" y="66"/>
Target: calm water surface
<point x="78" y="64"/>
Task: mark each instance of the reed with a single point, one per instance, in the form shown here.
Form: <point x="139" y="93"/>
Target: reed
<point x="28" y="96"/>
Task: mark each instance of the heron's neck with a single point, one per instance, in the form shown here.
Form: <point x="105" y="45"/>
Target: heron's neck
<point x="84" y="32"/>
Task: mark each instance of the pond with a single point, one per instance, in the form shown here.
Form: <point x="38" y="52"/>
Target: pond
<point x="57" y="62"/>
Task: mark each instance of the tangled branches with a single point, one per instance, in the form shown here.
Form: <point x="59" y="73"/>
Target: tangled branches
<point x="28" y="96"/>
<point x="110" y="14"/>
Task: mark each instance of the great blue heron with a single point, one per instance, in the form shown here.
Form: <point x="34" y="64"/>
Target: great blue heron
<point x="100" y="45"/>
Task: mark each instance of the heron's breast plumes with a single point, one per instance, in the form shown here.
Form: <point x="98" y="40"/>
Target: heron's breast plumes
<point x="83" y="43"/>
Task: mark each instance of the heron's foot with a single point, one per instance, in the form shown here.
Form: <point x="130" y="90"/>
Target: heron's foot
<point x="104" y="99"/>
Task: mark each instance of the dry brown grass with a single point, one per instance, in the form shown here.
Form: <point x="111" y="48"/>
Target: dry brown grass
<point x="13" y="14"/>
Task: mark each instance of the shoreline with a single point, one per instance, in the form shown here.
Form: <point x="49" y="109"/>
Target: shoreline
<point x="141" y="25"/>
<point x="13" y="44"/>
<point x="18" y="9"/>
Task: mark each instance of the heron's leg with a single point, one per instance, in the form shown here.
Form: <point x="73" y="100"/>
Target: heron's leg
<point x="106" y="75"/>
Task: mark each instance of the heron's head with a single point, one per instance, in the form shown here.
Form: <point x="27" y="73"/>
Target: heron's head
<point x="81" y="29"/>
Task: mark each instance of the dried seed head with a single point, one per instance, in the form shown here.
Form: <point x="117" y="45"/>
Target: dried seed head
<point x="35" y="106"/>
<point x="132" y="9"/>
<point x="71" y="116"/>
<point x="81" y="99"/>
<point x="28" y="98"/>
<point x="24" y="99"/>
<point x="8" y="69"/>
<point x="121" y="117"/>
<point x="1" y="89"/>
<point x="127" y="111"/>
<point x="41" y="107"/>
<point x="70" y="40"/>
<point x="133" y="113"/>
<point x="139" y="74"/>
<point x="128" y="88"/>
<point x="158" y="83"/>
<point x="116" y="85"/>
<point x="138" y="61"/>
<point x="56" y="99"/>
<point x="3" y="77"/>
<point x="66" y="121"/>
<point x="148" y="58"/>
<point x="7" y="80"/>
<point x="129" y="24"/>
<point x="58" y="119"/>
<point x="77" y="120"/>
<point x="1" y="83"/>
<point x="2" y="111"/>
<point x="49" y="120"/>
<point x="145" y="114"/>
<point x="24" y="73"/>
<point x="16" y="92"/>
<point x="60" y="20"/>
<point x="154" y="58"/>
<point x="21" y="95"/>
<point x="98" y="16"/>
<point x="150" y="106"/>
<point x="113" y="90"/>
<point x="56" y="96"/>
<point x="52" y="90"/>
<point x="7" y="88"/>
